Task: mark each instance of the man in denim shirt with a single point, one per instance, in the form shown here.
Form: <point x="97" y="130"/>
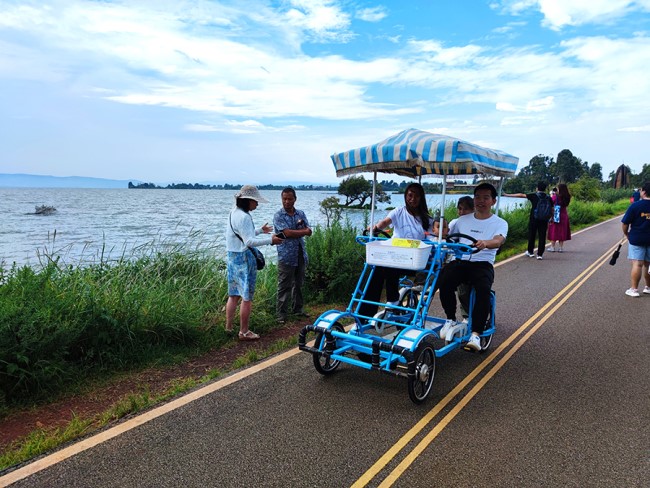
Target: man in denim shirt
<point x="292" y="255"/>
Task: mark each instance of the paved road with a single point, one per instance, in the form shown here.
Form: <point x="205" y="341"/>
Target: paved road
<point x="562" y="400"/>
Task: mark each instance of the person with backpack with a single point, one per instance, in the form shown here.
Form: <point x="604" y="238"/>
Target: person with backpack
<point x="540" y="213"/>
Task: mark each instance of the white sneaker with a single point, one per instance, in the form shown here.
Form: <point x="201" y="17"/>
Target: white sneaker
<point x="632" y="292"/>
<point x="445" y="328"/>
<point x="550" y="249"/>
<point x="646" y="290"/>
<point x="539" y="258"/>
<point x="474" y="342"/>
<point x="530" y="254"/>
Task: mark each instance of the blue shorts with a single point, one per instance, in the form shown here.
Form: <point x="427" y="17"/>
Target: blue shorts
<point x="638" y="253"/>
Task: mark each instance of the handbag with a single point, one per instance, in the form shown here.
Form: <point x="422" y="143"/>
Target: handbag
<point x="257" y="254"/>
<point x="259" y="257"/>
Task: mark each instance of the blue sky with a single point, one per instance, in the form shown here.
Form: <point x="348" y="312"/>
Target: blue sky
<point x="251" y="91"/>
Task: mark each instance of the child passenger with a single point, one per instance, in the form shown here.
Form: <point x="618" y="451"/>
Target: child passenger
<point x="464" y="206"/>
<point x="436" y="227"/>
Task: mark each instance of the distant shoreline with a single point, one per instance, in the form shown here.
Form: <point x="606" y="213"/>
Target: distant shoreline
<point x="227" y="186"/>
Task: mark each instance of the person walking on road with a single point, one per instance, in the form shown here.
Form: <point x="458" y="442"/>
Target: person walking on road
<point x="537" y="223"/>
<point x="560" y="231"/>
<point x="292" y="255"/>
<point x="636" y="227"/>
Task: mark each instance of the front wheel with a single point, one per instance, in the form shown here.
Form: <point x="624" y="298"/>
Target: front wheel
<point x="324" y="363"/>
<point x="420" y="383"/>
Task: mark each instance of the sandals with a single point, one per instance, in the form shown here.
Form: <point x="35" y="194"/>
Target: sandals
<point x="249" y="335"/>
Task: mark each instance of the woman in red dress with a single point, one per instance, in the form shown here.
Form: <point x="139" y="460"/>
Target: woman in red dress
<point x="558" y="232"/>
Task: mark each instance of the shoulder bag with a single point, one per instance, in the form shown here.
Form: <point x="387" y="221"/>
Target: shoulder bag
<point x="259" y="257"/>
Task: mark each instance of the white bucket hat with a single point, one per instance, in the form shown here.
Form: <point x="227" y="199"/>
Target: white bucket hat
<point x="250" y="191"/>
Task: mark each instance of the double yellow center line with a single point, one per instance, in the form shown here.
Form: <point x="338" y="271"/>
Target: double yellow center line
<point x="529" y="328"/>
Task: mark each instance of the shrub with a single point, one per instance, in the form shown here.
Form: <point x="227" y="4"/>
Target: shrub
<point x="586" y="189"/>
<point x="335" y="263"/>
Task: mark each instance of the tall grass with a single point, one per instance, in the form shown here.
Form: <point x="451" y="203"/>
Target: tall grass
<point x="61" y="323"/>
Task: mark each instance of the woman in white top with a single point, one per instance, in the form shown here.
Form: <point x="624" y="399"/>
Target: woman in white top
<point x="412" y="221"/>
<point x="242" y="266"/>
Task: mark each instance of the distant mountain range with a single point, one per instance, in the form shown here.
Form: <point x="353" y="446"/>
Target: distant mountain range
<point x="19" y="180"/>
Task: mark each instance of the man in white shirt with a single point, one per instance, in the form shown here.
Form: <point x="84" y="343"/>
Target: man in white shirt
<point x="477" y="270"/>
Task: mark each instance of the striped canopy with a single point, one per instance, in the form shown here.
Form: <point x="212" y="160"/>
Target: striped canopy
<point x="416" y="153"/>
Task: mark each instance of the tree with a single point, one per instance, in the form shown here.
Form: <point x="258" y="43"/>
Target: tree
<point x="596" y="172"/>
<point x="331" y="209"/>
<point x="358" y="189"/>
<point x="642" y="177"/>
<point x="567" y="168"/>
<point x="526" y="180"/>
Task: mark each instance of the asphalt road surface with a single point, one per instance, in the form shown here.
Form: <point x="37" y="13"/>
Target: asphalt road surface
<point x="561" y="399"/>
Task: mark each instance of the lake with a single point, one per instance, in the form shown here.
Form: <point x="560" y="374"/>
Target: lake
<point x="116" y="222"/>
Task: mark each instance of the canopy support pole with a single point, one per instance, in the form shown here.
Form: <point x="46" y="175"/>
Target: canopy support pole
<point x="442" y="206"/>
<point x="372" y="204"/>
<point x="501" y="181"/>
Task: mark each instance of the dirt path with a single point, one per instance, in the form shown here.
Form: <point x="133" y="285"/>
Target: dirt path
<point x="155" y="380"/>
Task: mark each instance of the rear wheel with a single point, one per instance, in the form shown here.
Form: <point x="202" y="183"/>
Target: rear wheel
<point x="486" y="341"/>
<point x="410" y="299"/>
<point x="324" y="364"/>
<point x="420" y="384"/>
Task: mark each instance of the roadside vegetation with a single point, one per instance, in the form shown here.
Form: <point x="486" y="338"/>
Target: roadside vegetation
<point x="62" y="326"/>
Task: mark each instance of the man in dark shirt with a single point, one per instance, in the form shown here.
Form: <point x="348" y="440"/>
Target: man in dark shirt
<point x="636" y="227"/>
<point x="536" y="228"/>
<point x="292" y="255"/>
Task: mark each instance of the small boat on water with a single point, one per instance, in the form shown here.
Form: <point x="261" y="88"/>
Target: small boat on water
<point x="44" y="210"/>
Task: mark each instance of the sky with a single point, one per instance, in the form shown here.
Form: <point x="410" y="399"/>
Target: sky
<point x="254" y="91"/>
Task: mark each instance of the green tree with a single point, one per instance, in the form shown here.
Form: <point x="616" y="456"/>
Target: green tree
<point x="596" y="172"/>
<point x="358" y="189"/>
<point x="642" y="177"/>
<point x="567" y="168"/>
<point x="526" y="180"/>
<point x="331" y="209"/>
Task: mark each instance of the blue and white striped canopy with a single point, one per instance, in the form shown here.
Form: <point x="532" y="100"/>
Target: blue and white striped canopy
<point x="416" y="153"/>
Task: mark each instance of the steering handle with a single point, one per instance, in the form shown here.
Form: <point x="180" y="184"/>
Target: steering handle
<point x="462" y="247"/>
<point x="377" y="233"/>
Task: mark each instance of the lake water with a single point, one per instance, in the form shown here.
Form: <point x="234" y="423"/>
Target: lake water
<point x="116" y="222"/>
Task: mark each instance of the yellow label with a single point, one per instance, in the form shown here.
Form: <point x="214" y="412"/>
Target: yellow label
<point x="399" y="242"/>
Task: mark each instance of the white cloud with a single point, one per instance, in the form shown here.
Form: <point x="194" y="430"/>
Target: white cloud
<point x="643" y="128"/>
<point x="540" y="105"/>
<point x="558" y="14"/>
<point x="241" y="127"/>
<point x="374" y="14"/>
<point x="323" y="18"/>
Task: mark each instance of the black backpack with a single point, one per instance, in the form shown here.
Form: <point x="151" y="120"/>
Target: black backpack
<point x="544" y="209"/>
